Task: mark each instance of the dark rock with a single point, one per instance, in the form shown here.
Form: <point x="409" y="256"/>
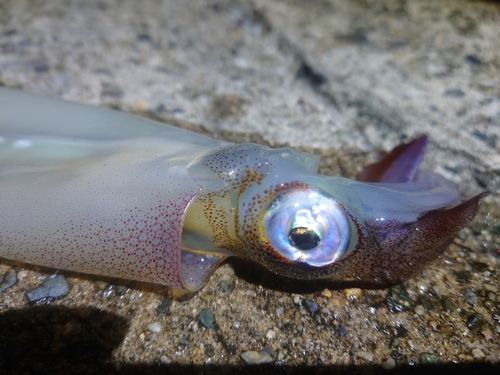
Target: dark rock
<point x="164" y="306"/>
<point x="54" y="287"/>
<point x="8" y="279"/>
<point x="207" y="318"/>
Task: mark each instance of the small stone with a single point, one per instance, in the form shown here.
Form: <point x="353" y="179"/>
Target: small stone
<point x="475" y="321"/>
<point x="209" y="351"/>
<point x="428" y="359"/>
<point x="165" y="360"/>
<point x="327" y="293"/>
<point x="427" y="302"/>
<point x="399" y="300"/>
<point x="183" y="342"/>
<point x="207" y="318"/>
<point x="237" y="325"/>
<point x="226" y="286"/>
<point x="448" y="304"/>
<point x="102" y="285"/>
<point x="266" y="350"/>
<point x="254" y="358"/>
<point x="470" y="297"/>
<point x="297" y="299"/>
<point x="487" y="334"/>
<point x="342" y="331"/>
<point x="8" y="279"/>
<point x="477" y="353"/>
<point x="366" y="355"/>
<point x="53" y="287"/>
<point x="389" y="364"/>
<point x="420" y="310"/>
<point x="270" y="334"/>
<point x="311" y="306"/>
<point x="491" y="287"/>
<point x="279" y="311"/>
<point x="281" y="354"/>
<point x="353" y="293"/>
<point x="164" y="306"/>
<point x="154" y="327"/>
<point x="422" y="287"/>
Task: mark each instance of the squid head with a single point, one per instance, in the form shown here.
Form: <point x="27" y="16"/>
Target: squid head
<point x="377" y="231"/>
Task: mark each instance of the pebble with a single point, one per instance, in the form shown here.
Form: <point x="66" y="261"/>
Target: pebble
<point x="311" y="306"/>
<point x="422" y="287"/>
<point x="183" y="342"/>
<point x="470" y="297"/>
<point x="53" y="287"/>
<point x="428" y="359"/>
<point x="8" y="279"/>
<point x="491" y="287"/>
<point x="266" y="350"/>
<point x="164" y="306"/>
<point x="353" y="293"/>
<point x="255" y="358"/>
<point x="207" y="318"/>
<point x="399" y="300"/>
<point x="226" y="286"/>
<point x="366" y="355"/>
<point x="154" y="327"/>
<point x="420" y="310"/>
<point x="475" y="321"/>
<point x="389" y="364"/>
<point x="448" y="304"/>
<point x="395" y="343"/>
<point x="165" y="360"/>
<point x="209" y="351"/>
<point x="327" y="293"/>
<point x="280" y="311"/>
<point x="270" y="334"/>
<point x="478" y="353"/>
<point x="342" y="331"/>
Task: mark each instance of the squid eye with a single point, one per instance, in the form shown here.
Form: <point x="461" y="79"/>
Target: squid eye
<point x="308" y="226"/>
<point x="304" y="238"/>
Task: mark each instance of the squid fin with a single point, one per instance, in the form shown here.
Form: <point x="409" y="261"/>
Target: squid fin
<point x="399" y="165"/>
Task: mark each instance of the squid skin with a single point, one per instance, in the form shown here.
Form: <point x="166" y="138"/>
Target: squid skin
<point x="102" y="192"/>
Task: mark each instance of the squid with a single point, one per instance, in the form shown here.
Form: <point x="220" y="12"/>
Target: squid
<point x="102" y="192"/>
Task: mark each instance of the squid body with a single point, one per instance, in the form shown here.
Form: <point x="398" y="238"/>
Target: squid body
<point x="102" y="192"/>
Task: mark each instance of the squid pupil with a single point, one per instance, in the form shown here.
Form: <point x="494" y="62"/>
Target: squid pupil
<point x="303" y="238"/>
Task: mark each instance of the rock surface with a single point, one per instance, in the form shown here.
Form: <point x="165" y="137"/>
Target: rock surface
<point x="342" y="78"/>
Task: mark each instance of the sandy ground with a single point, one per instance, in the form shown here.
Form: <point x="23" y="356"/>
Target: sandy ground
<point x="341" y="78"/>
